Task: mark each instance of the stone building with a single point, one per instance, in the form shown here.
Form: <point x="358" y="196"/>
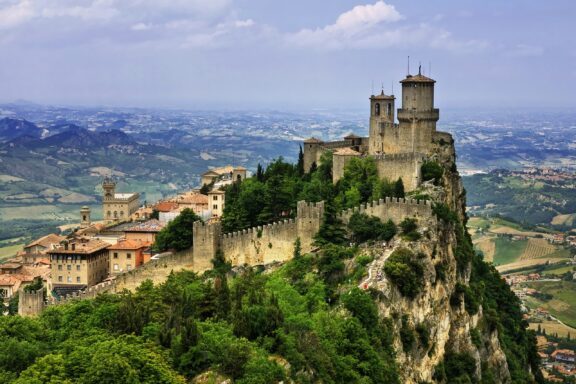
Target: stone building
<point x="145" y="231"/>
<point x="118" y="207"/>
<point x="37" y="249"/>
<point x="216" y="199"/>
<point x="398" y="148"/>
<point x="226" y="174"/>
<point x="78" y="263"/>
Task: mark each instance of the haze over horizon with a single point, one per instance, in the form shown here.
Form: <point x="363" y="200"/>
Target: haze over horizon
<point x="240" y="54"/>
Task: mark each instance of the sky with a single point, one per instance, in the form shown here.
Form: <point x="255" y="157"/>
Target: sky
<point x="297" y="54"/>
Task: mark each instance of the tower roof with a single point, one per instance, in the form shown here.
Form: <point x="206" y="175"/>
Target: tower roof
<point x="419" y="78"/>
<point x="382" y="96"/>
<point x="312" y="140"/>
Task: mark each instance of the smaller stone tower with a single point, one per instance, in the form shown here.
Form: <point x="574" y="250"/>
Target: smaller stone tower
<point x="312" y="152"/>
<point x="381" y="121"/>
<point x="85" y="217"/>
<point x="30" y="303"/>
<point x="109" y="187"/>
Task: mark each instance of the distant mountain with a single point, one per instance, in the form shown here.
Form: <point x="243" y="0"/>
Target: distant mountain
<point x="80" y="138"/>
<point x="11" y="129"/>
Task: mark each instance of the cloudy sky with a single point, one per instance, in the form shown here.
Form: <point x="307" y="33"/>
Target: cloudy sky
<point x="285" y="54"/>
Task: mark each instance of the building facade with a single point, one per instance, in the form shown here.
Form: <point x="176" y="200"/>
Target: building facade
<point x="118" y="207"/>
<point x="78" y="263"/>
<point x="126" y="255"/>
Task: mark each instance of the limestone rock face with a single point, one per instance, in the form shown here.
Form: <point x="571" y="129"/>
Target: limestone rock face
<point x="449" y="328"/>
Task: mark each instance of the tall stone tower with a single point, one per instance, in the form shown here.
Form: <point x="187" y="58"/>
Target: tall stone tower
<point x="109" y="187"/>
<point x="417" y="117"/>
<point x="85" y="217"/>
<point x="381" y="122"/>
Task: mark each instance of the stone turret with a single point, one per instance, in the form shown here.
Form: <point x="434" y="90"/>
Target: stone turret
<point x="85" y="217"/>
<point x="30" y="303"/>
<point x="109" y="187"/>
<point x="417" y="116"/>
<point x="381" y="120"/>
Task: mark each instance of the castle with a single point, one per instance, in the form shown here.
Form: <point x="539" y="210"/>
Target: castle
<point x="399" y="149"/>
<point x="117" y="207"/>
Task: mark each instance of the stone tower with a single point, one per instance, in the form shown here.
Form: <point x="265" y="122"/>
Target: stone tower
<point x="417" y="117"/>
<point x="381" y="122"/>
<point x="109" y="187"/>
<point x="85" y="217"/>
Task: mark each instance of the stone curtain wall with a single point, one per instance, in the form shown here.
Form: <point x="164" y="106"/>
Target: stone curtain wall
<point x="402" y="165"/>
<point x="393" y="209"/>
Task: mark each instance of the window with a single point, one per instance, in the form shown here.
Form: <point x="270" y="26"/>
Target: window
<point x="214" y="198"/>
<point x="59" y="278"/>
<point x="377" y="109"/>
<point x="115" y="255"/>
<point x="128" y="255"/>
<point x="59" y="267"/>
<point x="78" y="267"/>
<point x="69" y="279"/>
<point x="78" y="279"/>
<point x="116" y="267"/>
<point x="129" y="267"/>
<point x="215" y="206"/>
<point x="389" y="109"/>
<point x="69" y="267"/>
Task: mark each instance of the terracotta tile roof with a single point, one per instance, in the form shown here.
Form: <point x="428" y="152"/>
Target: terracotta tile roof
<point x="81" y="246"/>
<point x="10" y="266"/>
<point x="312" y="140"/>
<point x="130" y="244"/>
<point x="192" y="198"/>
<point x="346" y="152"/>
<point x="147" y="226"/>
<point x="165" y="206"/>
<point x="417" y="79"/>
<point x="46" y="241"/>
<point x="239" y="168"/>
<point x="15" y="281"/>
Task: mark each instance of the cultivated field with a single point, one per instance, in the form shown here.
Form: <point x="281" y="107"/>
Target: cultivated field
<point x="563" y="302"/>
<point x="537" y="248"/>
<point x="552" y="327"/>
<point x="564" y="219"/>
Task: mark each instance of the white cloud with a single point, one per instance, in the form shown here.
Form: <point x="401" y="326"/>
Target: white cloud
<point x="140" y="27"/>
<point x="525" y="50"/>
<point x="377" y="26"/>
<point x="16" y="13"/>
<point x="244" y="23"/>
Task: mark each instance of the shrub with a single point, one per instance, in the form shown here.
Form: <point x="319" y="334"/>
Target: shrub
<point x="365" y="228"/>
<point x="406" y="334"/>
<point x="405" y="272"/>
<point x="431" y="170"/>
<point x="409" y="227"/>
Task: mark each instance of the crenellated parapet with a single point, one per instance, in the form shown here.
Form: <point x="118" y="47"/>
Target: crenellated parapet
<point x="392" y="208"/>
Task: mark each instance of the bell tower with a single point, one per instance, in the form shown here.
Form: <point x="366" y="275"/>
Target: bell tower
<point x="85" y="217"/>
<point x="381" y="120"/>
<point x="109" y="187"/>
<point x="417" y="116"/>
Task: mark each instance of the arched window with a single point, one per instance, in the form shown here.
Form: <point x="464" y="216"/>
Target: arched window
<point x="84" y="218"/>
<point x="389" y="109"/>
<point x="239" y="177"/>
<point x="109" y="213"/>
<point x="115" y="214"/>
<point x="377" y="109"/>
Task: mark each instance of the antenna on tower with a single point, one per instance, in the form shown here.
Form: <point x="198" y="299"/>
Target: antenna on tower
<point x="382" y="87"/>
<point x="419" y="68"/>
<point x="408" y="65"/>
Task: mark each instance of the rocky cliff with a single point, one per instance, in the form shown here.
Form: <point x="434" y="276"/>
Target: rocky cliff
<point x="445" y="325"/>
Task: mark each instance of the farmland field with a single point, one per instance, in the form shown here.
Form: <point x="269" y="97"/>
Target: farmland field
<point x="508" y="251"/>
<point x="552" y="327"/>
<point x="563" y="302"/>
<point x="537" y="248"/>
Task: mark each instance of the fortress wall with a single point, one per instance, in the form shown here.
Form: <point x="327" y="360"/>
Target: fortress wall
<point x="393" y="209"/>
<point x="30" y="303"/>
<point x="336" y="144"/>
<point x="260" y="245"/>
<point x="401" y="165"/>
<point x="206" y="239"/>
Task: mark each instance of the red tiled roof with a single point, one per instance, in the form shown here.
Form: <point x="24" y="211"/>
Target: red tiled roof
<point x="130" y="244"/>
<point x="165" y="206"/>
<point x="147" y="226"/>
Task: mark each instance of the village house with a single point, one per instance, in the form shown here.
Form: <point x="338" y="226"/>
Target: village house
<point x="145" y="231"/>
<point x="127" y="255"/>
<point x="38" y="248"/>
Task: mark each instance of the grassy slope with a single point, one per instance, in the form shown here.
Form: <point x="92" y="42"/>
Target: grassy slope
<point x="508" y="251"/>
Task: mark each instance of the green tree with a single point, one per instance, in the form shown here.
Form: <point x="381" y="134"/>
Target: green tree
<point x="177" y="235"/>
<point x="399" y="188"/>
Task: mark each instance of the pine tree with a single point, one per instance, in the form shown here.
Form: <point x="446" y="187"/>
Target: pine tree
<point x="300" y="165"/>
<point x="332" y="229"/>
<point x="259" y="173"/>
<point x="399" y="188"/>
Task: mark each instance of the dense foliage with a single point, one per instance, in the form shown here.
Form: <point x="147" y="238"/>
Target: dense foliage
<point x="247" y="328"/>
<point x="272" y="193"/>
<point x="177" y="235"/>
